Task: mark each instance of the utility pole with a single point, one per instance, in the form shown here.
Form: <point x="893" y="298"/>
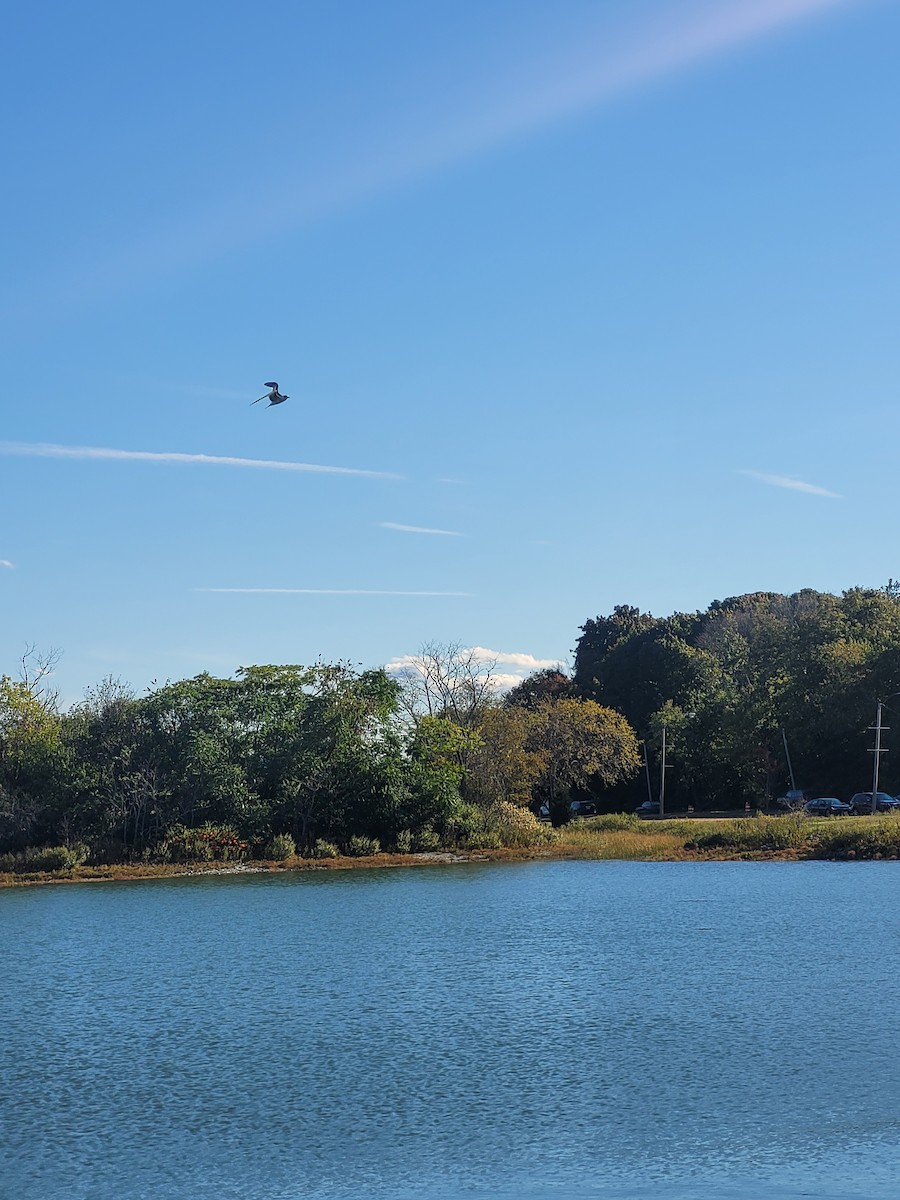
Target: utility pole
<point x="647" y="772"/>
<point x="878" y="751"/>
<point x="662" y="775"/>
<point x="787" y="755"/>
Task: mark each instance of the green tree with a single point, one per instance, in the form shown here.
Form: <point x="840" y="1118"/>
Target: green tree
<point x="501" y="767"/>
<point x="548" y="684"/>
<point x="32" y="758"/>
<point x="580" y="744"/>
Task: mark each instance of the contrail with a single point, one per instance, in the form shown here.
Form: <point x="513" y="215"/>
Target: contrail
<point x="418" y="529"/>
<point x="49" y="450"/>
<point x="791" y="483"/>
<point x="544" y="93"/>
<point x="322" y="592"/>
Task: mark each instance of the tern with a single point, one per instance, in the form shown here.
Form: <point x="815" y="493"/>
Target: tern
<point x="274" y="396"/>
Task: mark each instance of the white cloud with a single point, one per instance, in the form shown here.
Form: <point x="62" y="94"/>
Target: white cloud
<point x="4" y="562"/>
<point x="262" y="591"/>
<point x="513" y="659"/>
<point x="505" y="682"/>
<point x="502" y="680"/>
<point x="792" y="483"/>
<point x="49" y="450"/>
<point x="418" y="529"/>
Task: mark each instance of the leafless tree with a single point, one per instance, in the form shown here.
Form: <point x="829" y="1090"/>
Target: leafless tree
<point x="448" y="681"/>
<point x="37" y="666"/>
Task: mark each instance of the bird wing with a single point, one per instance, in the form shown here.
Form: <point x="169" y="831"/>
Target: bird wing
<point x="265" y="397"/>
<point x="272" y="385"/>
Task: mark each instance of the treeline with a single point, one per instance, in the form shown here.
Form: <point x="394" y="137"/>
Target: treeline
<point x="321" y="759"/>
<point x="734" y="683"/>
<point x="326" y="758"/>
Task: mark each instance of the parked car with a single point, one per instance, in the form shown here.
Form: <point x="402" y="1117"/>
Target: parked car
<point x="826" y="806"/>
<point x="577" y="808"/>
<point x="794" y="799"/>
<point x="861" y="803"/>
<point x="649" y="808"/>
<point x="583" y="808"/>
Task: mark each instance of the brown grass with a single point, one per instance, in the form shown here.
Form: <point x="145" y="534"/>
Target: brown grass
<point x="654" y="844"/>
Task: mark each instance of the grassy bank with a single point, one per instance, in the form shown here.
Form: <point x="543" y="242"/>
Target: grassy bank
<point x="792" y="836"/>
<point x="622" y="837"/>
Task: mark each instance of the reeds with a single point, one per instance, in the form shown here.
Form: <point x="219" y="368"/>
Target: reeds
<point x="651" y="841"/>
<point x="860" y="837"/>
<point x="790" y="832"/>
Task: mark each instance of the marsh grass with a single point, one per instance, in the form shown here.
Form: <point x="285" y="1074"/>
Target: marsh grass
<point x="609" y="823"/>
<point x="652" y="842"/>
<point x="863" y="837"/>
<point x="790" y="832"/>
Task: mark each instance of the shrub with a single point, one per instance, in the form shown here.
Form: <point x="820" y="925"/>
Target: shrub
<point x="488" y="839"/>
<point x="516" y="826"/>
<point x="46" y="858"/>
<point x="280" y="847"/>
<point x="77" y="854"/>
<point x="362" y="847"/>
<point x="426" y="839"/>
<point x="403" y="842"/>
<point x="51" y="858"/>
<point x="463" y="829"/>
<point x="207" y="843"/>
<point x="323" y="849"/>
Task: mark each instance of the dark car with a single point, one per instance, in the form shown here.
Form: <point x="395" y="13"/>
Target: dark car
<point x="577" y="808"/>
<point x="861" y="803"/>
<point x="649" y="808"/>
<point x="826" y="806"/>
<point x="583" y="808"/>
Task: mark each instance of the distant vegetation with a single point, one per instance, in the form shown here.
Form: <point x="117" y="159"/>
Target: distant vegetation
<point x="731" y="683"/>
<point x="326" y="760"/>
<point x="317" y="760"/>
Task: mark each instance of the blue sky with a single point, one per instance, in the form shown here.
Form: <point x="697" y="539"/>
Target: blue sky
<point x="589" y="304"/>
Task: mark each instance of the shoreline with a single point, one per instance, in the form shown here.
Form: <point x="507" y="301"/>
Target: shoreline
<point x="565" y="851"/>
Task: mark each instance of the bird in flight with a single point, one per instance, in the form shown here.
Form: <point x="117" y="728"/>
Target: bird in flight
<point x="274" y="396"/>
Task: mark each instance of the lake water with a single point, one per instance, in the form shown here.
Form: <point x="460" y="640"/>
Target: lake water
<point x="553" y="1030"/>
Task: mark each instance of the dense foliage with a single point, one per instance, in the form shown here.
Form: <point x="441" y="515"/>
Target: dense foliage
<point x="731" y="684"/>
<point x="327" y="759"/>
<point x="321" y="760"/>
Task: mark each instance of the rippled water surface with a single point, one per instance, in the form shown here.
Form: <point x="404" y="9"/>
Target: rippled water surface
<point x="550" y="1030"/>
